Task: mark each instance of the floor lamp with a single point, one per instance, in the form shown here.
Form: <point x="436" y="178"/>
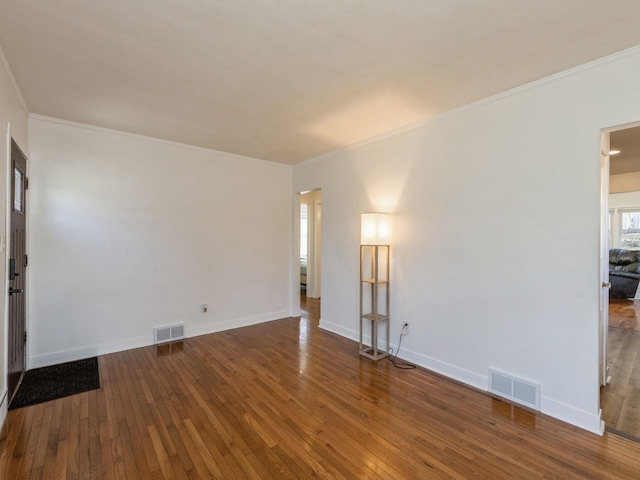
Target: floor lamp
<point x="374" y="284"/>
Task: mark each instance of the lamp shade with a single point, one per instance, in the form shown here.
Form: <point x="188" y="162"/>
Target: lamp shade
<point x="375" y="229"/>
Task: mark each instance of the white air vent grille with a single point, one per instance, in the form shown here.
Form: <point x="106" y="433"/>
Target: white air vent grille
<point x="518" y="390"/>
<point x="177" y="331"/>
<point x="169" y="333"/>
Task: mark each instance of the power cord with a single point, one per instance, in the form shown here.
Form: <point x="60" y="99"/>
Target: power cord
<point x="393" y="358"/>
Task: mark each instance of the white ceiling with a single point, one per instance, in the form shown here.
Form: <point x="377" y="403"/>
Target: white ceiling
<point x="628" y="142"/>
<point x="286" y="80"/>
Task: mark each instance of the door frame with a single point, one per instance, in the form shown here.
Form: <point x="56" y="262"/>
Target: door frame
<point x="4" y="283"/>
<point x="603" y="313"/>
<point x="5" y="251"/>
<point x="603" y="303"/>
<point x="8" y="253"/>
<point x="314" y="241"/>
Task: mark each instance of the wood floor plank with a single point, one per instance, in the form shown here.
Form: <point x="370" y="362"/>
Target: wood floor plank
<point x="286" y="400"/>
<point x="43" y="436"/>
<point x="26" y="457"/>
<point x="122" y="445"/>
<point x="25" y="425"/>
<point x="61" y="461"/>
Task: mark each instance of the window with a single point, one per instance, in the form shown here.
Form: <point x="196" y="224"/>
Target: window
<point x="630" y="229"/>
<point x="17" y="195"/>
<point x="624" y="227"/>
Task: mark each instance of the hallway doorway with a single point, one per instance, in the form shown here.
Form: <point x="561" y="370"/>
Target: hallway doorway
<point x="620" y="395"/>
<point x="311" y="243"/>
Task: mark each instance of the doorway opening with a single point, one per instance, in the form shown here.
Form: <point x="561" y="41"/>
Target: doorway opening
<point x="620" y="333"/>
<point x="310" y="247"/>
<point x="310" y="242"/>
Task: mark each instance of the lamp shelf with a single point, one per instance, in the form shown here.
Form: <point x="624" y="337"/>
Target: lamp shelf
<point x="375" y="317"/>
<point x="373" y="355"/>
<point x="373" y="280"/>
<point x="374" y="300"/>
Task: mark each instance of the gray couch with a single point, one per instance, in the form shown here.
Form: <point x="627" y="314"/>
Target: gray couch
<point x="624" y="272"/>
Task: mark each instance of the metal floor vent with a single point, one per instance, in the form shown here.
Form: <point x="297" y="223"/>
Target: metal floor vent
<point x="515" y="389"/>
<point x="169" y="333"/>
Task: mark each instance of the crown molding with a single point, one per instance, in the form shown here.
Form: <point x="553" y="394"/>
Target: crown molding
<point x="491" y="99"/>
<point x="138" y="136"/>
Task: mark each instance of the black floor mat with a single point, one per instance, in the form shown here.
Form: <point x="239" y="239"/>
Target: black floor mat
<point x="57" y="381"/>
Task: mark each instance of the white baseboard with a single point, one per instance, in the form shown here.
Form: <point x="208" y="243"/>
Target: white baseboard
<point x="551" y="407"/>
<point x="54" y="358"/>
<point x="566" y="413"/>
<point x="46" y="359"/>
<point x="465" y="376"/>
<point x="481" y="382"/>
<point x="214" y="327"/>
<point x="339" y="329"/>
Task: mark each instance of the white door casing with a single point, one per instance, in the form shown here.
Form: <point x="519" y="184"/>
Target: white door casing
<point x="604" y="260"/>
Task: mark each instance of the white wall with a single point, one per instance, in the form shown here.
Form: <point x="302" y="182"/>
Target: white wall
<point x="496" y="230"/>
<point x="128" y="233"/>
<point x="13" y="119"/>
<point x="624" y="182"/>
<point x="626" y="199"/>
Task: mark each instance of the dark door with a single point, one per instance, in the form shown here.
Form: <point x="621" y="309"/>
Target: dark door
<point x="17" y="265"/>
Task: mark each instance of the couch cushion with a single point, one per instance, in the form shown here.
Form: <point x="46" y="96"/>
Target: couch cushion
<point x="623" y="285"/>
<point x="623" y="274"/>
<point x="632" y="268"/>
<point x="619" y="256"/>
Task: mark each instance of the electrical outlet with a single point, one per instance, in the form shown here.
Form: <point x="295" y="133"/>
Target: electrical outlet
<point x="205" y="307"/>
<point x="405" y="329"/>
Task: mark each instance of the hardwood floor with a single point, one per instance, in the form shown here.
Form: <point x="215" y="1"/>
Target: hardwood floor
<point x="310" y="308"/>
<point x="620" y="400"/>
<point x="285" y="399"/>
<point x="624" y="313"/>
